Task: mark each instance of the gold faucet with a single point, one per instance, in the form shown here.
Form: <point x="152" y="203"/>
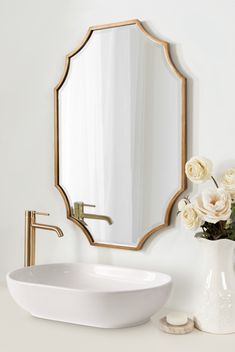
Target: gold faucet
<point x="30" y="235"/>
<point x="80" y="215"/>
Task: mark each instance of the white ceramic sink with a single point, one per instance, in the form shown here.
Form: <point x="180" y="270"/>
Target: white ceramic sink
<point x="89" y="294"/>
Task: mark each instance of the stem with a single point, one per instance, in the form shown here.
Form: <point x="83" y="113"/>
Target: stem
<point x="215" y="182"/>
<point x="187" y="198"/>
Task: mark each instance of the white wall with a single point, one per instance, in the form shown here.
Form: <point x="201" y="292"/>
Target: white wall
<point x="34" y="38"/>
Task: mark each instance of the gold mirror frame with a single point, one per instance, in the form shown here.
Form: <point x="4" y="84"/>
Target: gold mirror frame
<point x="173" y="68"/>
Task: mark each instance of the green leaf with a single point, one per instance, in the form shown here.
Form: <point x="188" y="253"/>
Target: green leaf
<point x="201" y="235"/>
<point x="232" y="216"/>
<point x="231" y="235"/>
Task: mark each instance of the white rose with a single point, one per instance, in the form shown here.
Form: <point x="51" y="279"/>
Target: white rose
<point x="198" y="169"/>
<point x="213" y="205"/>
<point x="228" y="182"/>
<point x="191" y="218"/>
<point x="182" y="204"/>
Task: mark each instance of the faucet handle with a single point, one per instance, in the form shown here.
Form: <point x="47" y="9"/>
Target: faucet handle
<point x="40" y="213"/>
<point x="89" y="205"/>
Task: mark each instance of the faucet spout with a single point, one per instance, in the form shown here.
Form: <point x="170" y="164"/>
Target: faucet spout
<point x="98" y="217"/>
<point x="55" y="229"/>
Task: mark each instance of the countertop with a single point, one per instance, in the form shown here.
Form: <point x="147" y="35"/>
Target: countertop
<point x="23" y="333"/>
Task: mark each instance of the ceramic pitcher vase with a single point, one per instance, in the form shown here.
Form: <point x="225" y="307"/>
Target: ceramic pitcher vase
<point x="215" y="312"/>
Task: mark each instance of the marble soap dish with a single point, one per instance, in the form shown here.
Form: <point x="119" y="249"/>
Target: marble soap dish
<point x="176" y="323"/>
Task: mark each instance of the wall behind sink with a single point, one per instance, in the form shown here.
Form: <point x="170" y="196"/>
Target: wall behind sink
<point x="34" y="37"/>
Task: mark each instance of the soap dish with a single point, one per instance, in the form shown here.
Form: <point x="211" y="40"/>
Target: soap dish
<point x="176" y="329"/>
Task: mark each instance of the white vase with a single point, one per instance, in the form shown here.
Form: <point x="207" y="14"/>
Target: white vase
<point x="216" y="307"/>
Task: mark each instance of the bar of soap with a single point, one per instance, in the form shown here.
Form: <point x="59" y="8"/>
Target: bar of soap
<point x="176" y="329"/>
<point x="176" y="318"/>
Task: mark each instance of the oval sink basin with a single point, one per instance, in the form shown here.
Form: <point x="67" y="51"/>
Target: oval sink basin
<point x="89" y="294"/>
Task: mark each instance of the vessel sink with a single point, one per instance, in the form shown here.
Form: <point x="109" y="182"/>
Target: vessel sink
<point x="89" y="294"/>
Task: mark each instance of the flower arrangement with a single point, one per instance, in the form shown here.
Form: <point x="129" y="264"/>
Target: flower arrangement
<point x="213" y="210"/>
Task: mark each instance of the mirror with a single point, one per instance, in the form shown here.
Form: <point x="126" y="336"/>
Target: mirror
<point x="120" y="140"/>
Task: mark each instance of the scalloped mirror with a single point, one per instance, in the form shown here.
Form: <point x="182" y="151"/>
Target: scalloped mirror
<point x="120" y="135"/>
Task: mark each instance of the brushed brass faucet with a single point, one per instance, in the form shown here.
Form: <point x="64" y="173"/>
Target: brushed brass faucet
<point x="78" y="213"/>
<point x="30" y="235"/>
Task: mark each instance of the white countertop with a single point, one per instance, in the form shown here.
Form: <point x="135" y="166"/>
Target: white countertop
<point x="23" y="333"/>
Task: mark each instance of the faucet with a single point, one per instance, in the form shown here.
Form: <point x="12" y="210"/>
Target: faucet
<point x="80" y="215"/>
<point x="30" y="235"/>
